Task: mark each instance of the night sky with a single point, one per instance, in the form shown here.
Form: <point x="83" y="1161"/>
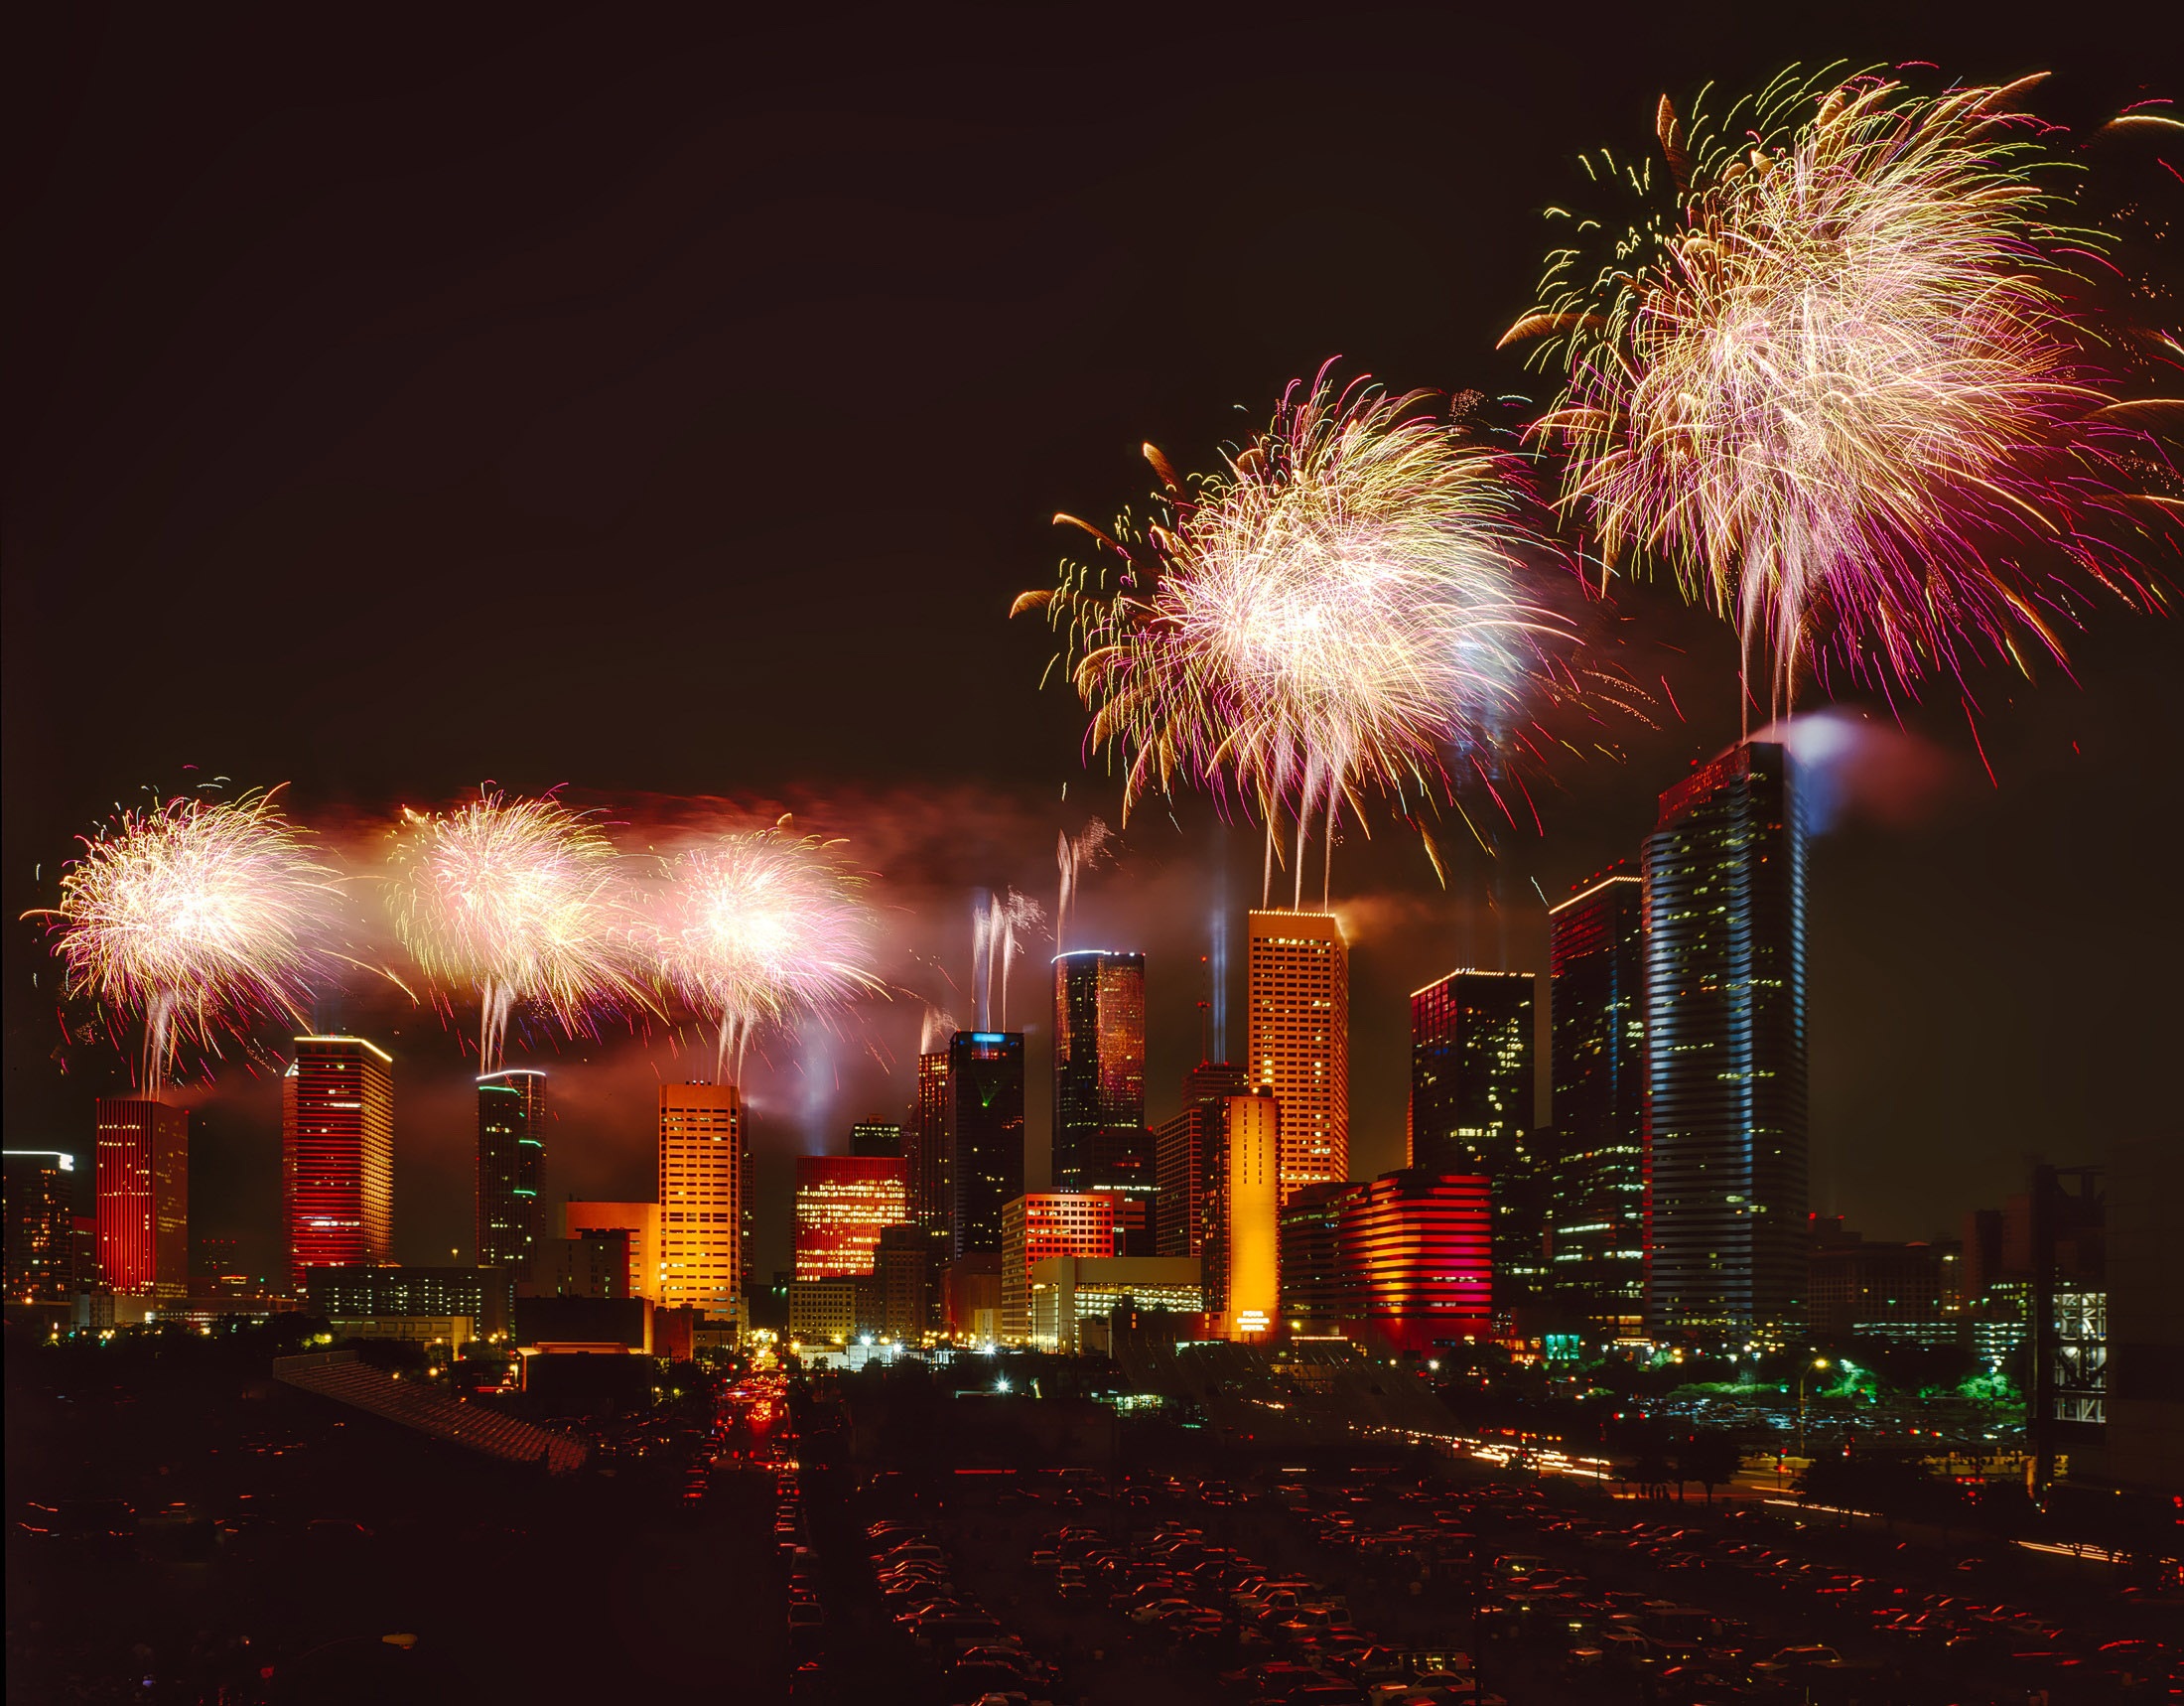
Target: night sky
<point x="663" y="408"/>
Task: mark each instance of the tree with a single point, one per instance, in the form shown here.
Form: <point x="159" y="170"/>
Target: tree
<point x="1710" y="1458"/>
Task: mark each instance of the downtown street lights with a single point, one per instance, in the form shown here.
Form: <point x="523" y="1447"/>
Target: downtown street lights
<point x="1802" y="1375"/>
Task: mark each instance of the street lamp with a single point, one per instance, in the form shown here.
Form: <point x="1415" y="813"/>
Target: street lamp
<point x="1818" y="1362"/>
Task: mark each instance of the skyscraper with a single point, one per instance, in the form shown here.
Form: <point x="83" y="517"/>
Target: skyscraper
<point x="843" y="1203"/>
<point x="703" y="1181"/>
<point x="337" y="1155"/>
<point x="1180" y="1145"/>
<point x="40" y="1233"/>
<point x="1300" y="1040"/>
<point x="143" y="1180"/>
<point x="1242" y="1250"/>
<point x="1597" y="1184"/>
<point x="1099" y="1068"/>
<point x="985" y="1150"/>
<point x="877" y="1139"/>
<point x="640" y="1223"/>
<point x="511" y="1150"/>
<point x="925" y="1149"/>
<point x="1472" y="1098"/>
<point x="1725" y="1105"/>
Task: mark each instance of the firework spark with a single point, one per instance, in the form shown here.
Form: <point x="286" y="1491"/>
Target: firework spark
<point x="202" y="917"/>
<point x="523" y="899"/>
<point x="760" y="928"/>
<point x="994" y="921"/>
<point x="1340" y="607"/>
<point x="1837" y="387"/>
<point x="1075" y="855"/>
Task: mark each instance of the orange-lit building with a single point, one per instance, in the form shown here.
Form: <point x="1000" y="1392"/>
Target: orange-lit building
<point x="337" y="1155"/>
<point x="144" y="1197"/>
<point x="703" y="1200"/>
<point x="1416" y="1254"/>
<point x="842" y="1201"/>
<point x="1242" y="1249"/>
<point x="1037" y="1227"/>
<point x="1300" y="1040"/>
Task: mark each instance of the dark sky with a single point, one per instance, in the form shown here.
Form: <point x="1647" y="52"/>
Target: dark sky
<point x="664" y="406"/>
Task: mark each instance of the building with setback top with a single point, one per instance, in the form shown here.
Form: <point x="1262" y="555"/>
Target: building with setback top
<point x="1725" y="1052"/>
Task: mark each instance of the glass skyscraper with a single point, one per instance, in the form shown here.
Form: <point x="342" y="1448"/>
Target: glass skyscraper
<point x="1472" y="1101"/>
<point x="1597" y="1177"/>
<point x="1099" y="1070"/>
<point x="511" y="1150"/>
<point x="1725" y="1051"/>
<point x="985" y="1151"/>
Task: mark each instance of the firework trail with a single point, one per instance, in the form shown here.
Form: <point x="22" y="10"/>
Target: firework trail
<point x="1339" y="607"/>
<point x="523" y="899"/>
<point x="200" y="917"/>
<point x="760" y="929"/>
<point x="1834" y="384"/>
<point x="1075" y="857"/>
<point x="994" y="921"/>
<point x="936" y="1028"/>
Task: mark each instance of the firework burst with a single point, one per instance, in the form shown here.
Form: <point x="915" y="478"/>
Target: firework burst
<point x="1337" y="609"/>
<point x="200" y="917"/>
<point x="525" y="901"/>
<point x="1834" y="386"/>
<point x="760" y="928"/>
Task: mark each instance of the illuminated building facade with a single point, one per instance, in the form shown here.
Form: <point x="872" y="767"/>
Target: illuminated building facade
<point x="1597" y="1188"/>
<point x="143" y="1180"/>
<point x="1472" y="1098"/>
<point x="1099" y="1069"/>
<point x="1299" y="1040"/>
<point x="1316" y="1288"/>
<point x="1417" y="1255"/>
<point x="1241" y="1251"/>
<point x="373" y="1292"/>
<point x="511" y="1150"/>
<point x="1725" y="1052"/>
<point x="41" y="1232"/>
<point x="985" y="1152"/>
<point x="639" y="1220"/>
<point x="1068" y="1293"/>
<point x="843" y="1203"/>
<point x="925" y="1150"/>
<point x="337" y="1155"/>
<point x="1180" y="1145"/>
<point x="906" y="1267"/>
<point x="703" y="1202"/>
<point x="1037" y="1228"/>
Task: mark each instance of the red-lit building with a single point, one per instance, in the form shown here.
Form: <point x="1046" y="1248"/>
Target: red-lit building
<point x="1040" y="1224"/>
<point x="843" y="1203"/>
<point x="337" y="1155"/>
<point x="144" y="1197"/>
<point x="1415" y="1256"/>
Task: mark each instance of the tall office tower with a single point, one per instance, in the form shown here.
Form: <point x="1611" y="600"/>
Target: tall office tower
<point x="1597" y="1188"/>
<point x="876" y="1140"/>
<point x="1099" y="1068"/>
<point x="1036" y="1227"/>
<point x="1316" y="1290"/>
<point x="1180" y="1144"/>
<point x="1417" y="1258"/>
<point x="640" y="1220"/>
<point x="1472" y="1095"/>
<point x="511" y="1150"/>
<point x="925" y="1148"/>
<point x="1241" y="1252"/>
<point x="702" y="1250"/>
<point x="1300" y="1040"/>
<point x="1726" y="1103"/>
<point x="40" y="1233"/>
<point x="842" y="1201"/>
<point x="984" y="1149"/>
<point x="337" y="1155"/>
<point x="143" y="1178"/>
